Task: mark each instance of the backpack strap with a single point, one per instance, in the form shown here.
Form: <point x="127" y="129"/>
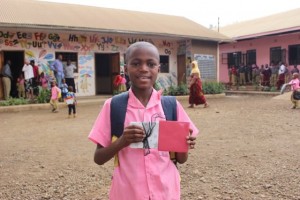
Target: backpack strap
<point x="118" y="108"/>
<point x="169" y="105"/>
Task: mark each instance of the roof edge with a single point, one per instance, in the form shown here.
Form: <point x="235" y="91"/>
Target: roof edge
<point x="68" y="28"/>
<point x="278" y="31"/>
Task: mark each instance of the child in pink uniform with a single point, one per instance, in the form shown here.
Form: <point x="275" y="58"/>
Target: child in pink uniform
<point x="294" y="83"/>
<point x="55" y="91"/>
<point x="138" y="176"/>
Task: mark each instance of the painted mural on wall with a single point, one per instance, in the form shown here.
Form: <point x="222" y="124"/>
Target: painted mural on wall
<point x="41" y="47"/>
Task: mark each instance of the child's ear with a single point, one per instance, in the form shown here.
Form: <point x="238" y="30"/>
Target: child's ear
<point x="125" y="69"/>
<point x="158" y="68"/>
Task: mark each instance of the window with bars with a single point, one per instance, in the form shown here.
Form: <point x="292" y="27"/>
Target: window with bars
<point x="294" y="54"/>
<point x="234" y="58"/>
<point x="276" y="55"/>
<point x="164" y="64"/>
<point x="251" y="57"/>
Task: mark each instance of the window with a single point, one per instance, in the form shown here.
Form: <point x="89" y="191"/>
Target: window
<point x="69" y="55"/>
<point x="294" y="54"/>
<point x="251" y="57"/>
<point x="234" y="58"/>
<point x="164" y="64"/>
<point x="275" y="55"/>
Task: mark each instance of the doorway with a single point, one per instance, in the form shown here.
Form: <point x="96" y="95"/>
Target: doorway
<point x="107" y="66"/>
<point x="17" y="62"/>
<point x="181" y="69"/>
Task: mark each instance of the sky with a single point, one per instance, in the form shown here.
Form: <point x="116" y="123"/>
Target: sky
<point x="207" y="13"/>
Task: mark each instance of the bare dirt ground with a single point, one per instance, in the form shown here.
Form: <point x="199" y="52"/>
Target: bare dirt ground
<point x="249" y="148"/>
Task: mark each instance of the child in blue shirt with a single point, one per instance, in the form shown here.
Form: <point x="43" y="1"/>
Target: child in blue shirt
<point x="70" y="100"/>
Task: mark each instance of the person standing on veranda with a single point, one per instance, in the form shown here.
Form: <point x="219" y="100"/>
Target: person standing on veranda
<point x="58" y="69"/>
<point x="69" y="74"/>
<point x="6" y="79"/>
<point x="28" y="75"/>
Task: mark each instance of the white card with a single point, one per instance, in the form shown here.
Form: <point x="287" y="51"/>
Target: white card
<point x="152" y="140"/>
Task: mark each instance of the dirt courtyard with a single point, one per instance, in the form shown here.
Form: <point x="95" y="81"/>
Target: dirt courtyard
<point x="248" y="148"/>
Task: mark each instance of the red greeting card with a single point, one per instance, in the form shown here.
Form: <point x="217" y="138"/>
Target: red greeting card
<point x="172" y="136"/>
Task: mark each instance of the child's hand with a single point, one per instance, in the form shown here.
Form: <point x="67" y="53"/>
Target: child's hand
<point x="132" y="134"/>
<point x="191" y="140"/>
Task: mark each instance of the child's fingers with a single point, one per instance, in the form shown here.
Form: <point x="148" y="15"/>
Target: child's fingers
<point x="191" y="141"/>
<point x="191" y="131"/>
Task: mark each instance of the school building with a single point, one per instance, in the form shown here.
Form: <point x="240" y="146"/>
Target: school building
<point x="95" y="39"/>
<point x="261" y="41"/>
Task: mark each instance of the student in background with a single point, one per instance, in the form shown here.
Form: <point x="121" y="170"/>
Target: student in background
<point x="21" y="86"/>
<point x="55" y="95"/>
<point x="294" y="83"/>
<point x="70" y="100"/>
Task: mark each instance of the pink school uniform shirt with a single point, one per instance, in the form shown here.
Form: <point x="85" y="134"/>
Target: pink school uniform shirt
<point x="123" y="81"/>
<point x="140" y="177"/>
<point x="294" y="84"/>
<point x="54" y="92"/>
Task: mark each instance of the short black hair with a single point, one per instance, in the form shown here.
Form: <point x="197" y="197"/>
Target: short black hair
<point x="141" y="44"/>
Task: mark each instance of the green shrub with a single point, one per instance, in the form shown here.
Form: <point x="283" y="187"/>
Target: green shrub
<point x="14" y="101"/>
<point x="44" y="96"/>
<point x="182" y="89"/>
<point x="172" y="90"/>
<point x="212" y="87"/>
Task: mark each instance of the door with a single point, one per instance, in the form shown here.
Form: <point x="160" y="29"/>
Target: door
<point x="107" y="66"/>
<point x="17" y="62"/>
<point x="181" y="69"/>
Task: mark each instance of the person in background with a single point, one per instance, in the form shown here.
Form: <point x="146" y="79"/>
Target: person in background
<point x="35" y="80"/>
<point x="21" y="86"/>
<point x="281" y="75"/>
<point x="266" y="75"/>
<point x="120" y="83"/>
<point x="196" y="92"/>
<point x="28" y="74"/>
<point x="256" y="74"/>
<point x="234" y="75"/>
<point x="6" y="79"/>
<point x="295" y="70"/>
<point x="58" y="70"/>
<point x="274" y="74"/>
<point x="122" y="87"/>
<point x="241" y="72"/>
<point x="69" y="74"/>
<point x="295" y="87"/>
<point x="64" y="89"/>
<point x="55" y="95"/>
<point x="43" y="81"/>
<point x="287" y="75"/>
<point x="70" y="100"/>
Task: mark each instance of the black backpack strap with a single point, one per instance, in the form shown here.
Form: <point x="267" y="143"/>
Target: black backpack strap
<point x="169" y="105"/>
<point x="118" y="108"/>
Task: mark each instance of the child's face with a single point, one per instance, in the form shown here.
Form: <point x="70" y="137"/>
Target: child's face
<point x="142" y="67"/>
